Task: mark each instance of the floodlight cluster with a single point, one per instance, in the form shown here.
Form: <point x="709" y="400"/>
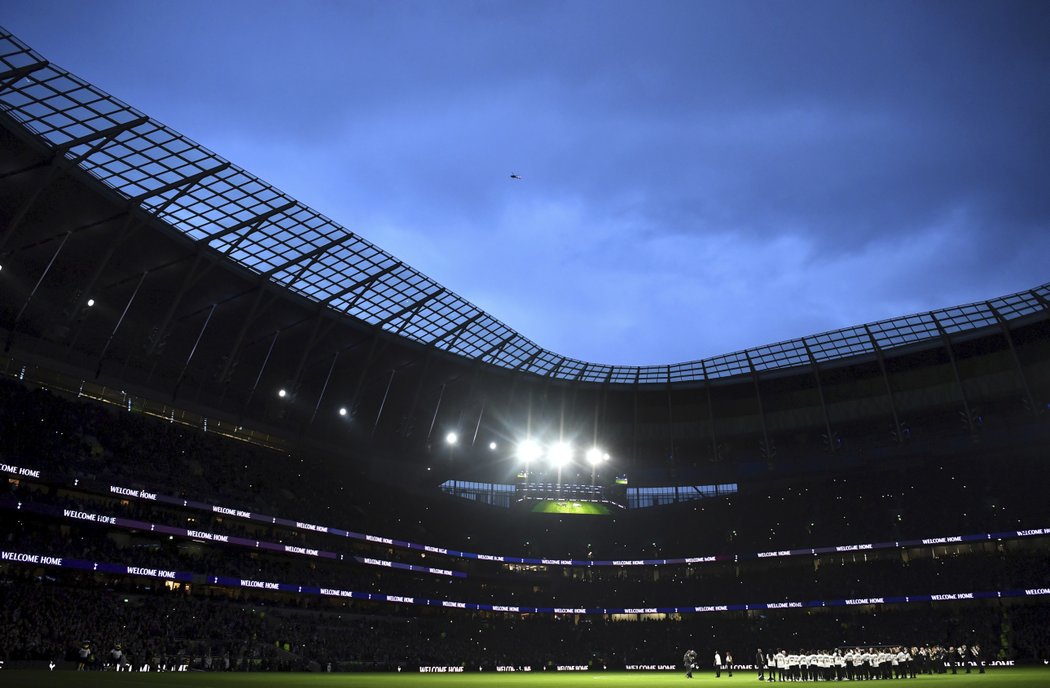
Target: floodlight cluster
<point x="556" y="454"/>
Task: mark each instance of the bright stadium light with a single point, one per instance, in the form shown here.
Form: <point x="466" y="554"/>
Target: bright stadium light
<point x="492" y="446"/>
<point x="282" y="393"/>
<point x="529" y="451"/>
<point x="559" y="454"/>
<point x="342" y="411"/>
<point x="90" y="302"/>
<point x="594" y="457"/>
<point x="452" y="438"/>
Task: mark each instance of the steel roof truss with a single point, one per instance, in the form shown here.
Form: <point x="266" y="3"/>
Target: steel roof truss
<point x="106" y="135"/>
<point x="414" y="306"/>
<point x="252" y="223"/>
<point x="13" y="76"/>
<point x="365" y="282"/>
<point x="310" y="257"/>
<point x="495" y="349"/>
<point x="184" y="184"/>
<point x="457" y="330"/>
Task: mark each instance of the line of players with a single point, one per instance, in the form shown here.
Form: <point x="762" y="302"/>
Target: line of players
<point x="853" y="664"/>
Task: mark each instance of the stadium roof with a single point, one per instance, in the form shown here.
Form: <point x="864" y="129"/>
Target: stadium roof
<point x="217" y="204"/>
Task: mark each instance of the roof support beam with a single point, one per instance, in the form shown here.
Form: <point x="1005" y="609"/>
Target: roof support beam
<point x="557" y="367"/>
<point x="364" y="373"/>
<point x="946" y="340"/>
<point x="528" y="361"/>
<point x="193" y="350"/>
<point x="365" y="282"/>
<point x="309" y="257"/>
<point x="768" y="450"/>
<point x="307" y="350"/>
<point x="414" y="306"/>
<point x="60" y="235"/>
<point x="715" y="454"/>
<point x="477" y="426"/>
<point x="185" y="183"/>
<point x="244" y="224"/>
<point x="12" y="76"/>
<point x="830" y="434"/>
<point x="455" y="340"/>
<point x="456" y="330"/>
<point x="414" y="404"/>
<point x="1028" y="398"/>
<point x="103" y="134"/>
<point x="258" y="377"/>
<point x="382" y="404"/>
<point x="1042" y="301"/>
<point x="405" y="321"/>
<point x="32" y="293"/>
<point x="133" y="223"/>
<point x="191" y="278"/>
<point x="120" y="320"/>
<point x="496" y="348"/>
<point x="670" y="430"/>
<point x="899" y="431"/>
<point x="633" y="458"/>
<point x="324" y="388"/>
<point x="26" y="207"/>
<point x="433" y="418"/>
<point x="55" y="169"/>
<point x="235" y="350"/>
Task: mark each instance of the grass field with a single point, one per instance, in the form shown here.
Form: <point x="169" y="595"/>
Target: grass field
<point x="1011" y="678"/>
<point x="583" y="508"/>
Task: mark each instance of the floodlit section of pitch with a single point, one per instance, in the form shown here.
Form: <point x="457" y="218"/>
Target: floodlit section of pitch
<point x="568" y="507"/>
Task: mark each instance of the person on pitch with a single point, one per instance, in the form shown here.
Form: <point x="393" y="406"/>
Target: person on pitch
<point x="689" y="660"/>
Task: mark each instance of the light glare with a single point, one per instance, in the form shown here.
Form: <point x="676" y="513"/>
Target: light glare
<point x="559" y="454"/>
<point x="529" y="451"/>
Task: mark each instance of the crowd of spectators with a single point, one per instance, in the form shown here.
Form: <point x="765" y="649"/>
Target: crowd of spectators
<point x="218" y="628"/>
<point x="51" y="618"/>
<point x="921" y="571"/>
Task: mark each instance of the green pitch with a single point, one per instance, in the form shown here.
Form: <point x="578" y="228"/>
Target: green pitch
<point x="570" y="508"/>
<point x="1011" y="678"/>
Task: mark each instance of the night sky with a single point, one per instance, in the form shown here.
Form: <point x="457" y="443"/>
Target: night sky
<point x="696" y="177"/>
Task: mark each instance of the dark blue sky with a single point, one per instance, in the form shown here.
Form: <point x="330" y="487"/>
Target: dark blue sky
<point x="698" y="177"/>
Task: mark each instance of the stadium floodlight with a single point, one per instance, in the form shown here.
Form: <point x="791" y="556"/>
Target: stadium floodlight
<point x="342" y="410"/>
<point x="559" y="454"/>
<point x="90" y="302"/>
<point x="529" y="451"/>
<point x="595" y="456"/>
<point x="282" y="393"/>
<point x="492" y="446"/>
<point x="452" y="438"/>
